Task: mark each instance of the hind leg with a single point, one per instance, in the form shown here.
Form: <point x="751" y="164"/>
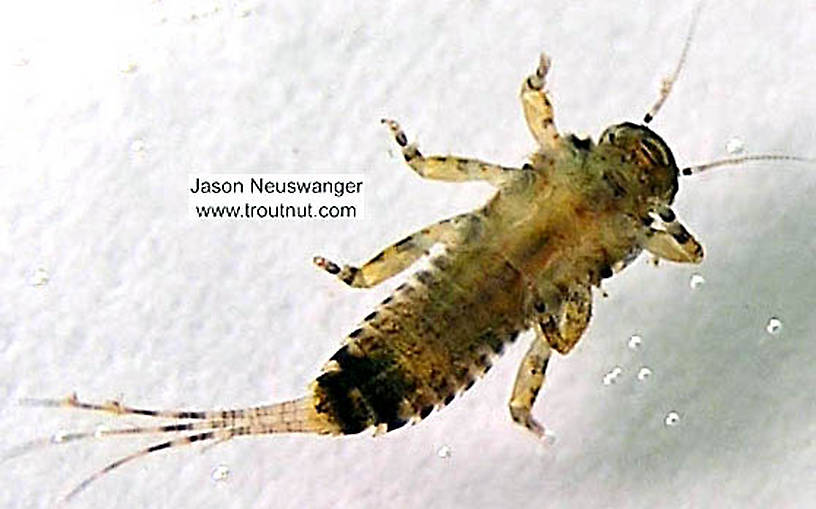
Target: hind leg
<point x="399" y="256"/>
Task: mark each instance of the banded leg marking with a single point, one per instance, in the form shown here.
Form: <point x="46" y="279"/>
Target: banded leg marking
<point x="448" y="168"/>
<point x="538" y="110"/>
<point x="674" y="243"/>
<point x="529" y="379"/>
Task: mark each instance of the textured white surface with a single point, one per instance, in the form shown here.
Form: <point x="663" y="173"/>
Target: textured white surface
<point x="107" y="111"/>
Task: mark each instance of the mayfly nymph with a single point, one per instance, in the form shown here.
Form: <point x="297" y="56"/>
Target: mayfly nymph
<point x="575" y="214"/>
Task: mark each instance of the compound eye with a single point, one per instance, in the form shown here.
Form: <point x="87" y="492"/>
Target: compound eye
<point x="654" y="152"/>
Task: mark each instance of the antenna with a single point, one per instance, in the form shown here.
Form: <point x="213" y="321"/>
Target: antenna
<point x="694" y="170"/>
<point x="668" y="82"/>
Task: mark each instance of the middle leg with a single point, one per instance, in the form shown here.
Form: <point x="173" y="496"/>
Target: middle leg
<point x="565" y="327"/>
<point x="448" y="168"/>
<point x="559" y="331"/>
<point x="529" y="379"/>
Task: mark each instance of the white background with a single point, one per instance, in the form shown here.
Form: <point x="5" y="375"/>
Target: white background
<point x="108" y="106"/>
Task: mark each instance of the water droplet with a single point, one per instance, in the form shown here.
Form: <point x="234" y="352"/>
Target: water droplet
<point x="40" y="277"/>
<point x="696" y="281"/>
<point x="444" y="452"/>
<point x="635" y="341"/>
<point x="58" y="437"/>
<point x="774" y="326"/>
<point x="644" y="373"/>
<point x="220" y="473"/>
<point x="735" y="146"/>
<point x="672" y="419"/>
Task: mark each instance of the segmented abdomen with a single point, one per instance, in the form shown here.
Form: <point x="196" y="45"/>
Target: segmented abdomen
<point x="426" y="342"/>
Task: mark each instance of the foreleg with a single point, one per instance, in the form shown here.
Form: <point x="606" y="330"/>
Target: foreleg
<point x="537" y="107"/>
<point x="674" y="243"/>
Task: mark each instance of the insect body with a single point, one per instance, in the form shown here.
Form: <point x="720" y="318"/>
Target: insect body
<point x="526" y="260"/>
<point x="574" y="215"/>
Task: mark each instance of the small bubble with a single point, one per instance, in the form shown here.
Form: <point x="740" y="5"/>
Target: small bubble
<point x="220" y="473"/>
<point x="138" y="145"/>
<point x="774" y="326"/>
<point x="129" y="68"/>
<point x="635" y="341"/>
<point x="549" y="437"/>
<point x="612" y="376"/>
<point x="735" y="146"/>
<point x="40" y="277"/>
<point x="58" y="437"/>
<point x="672" y="419"/>
<point x="444" y="452"/>
<point x="696" y="281"/>
<point x="644" y="373"/>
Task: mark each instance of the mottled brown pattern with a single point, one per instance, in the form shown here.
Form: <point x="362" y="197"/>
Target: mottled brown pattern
<point x="440" y="331"/>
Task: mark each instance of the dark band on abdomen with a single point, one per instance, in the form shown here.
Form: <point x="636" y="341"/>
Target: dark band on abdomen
<point x="363" y="392"/>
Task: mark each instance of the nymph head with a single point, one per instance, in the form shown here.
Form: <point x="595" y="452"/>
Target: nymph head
<point x="647" y="161"/>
